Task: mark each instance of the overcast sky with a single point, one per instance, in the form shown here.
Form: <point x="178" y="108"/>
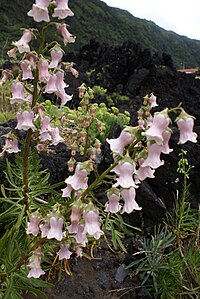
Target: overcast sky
<point x="180" y="16"/>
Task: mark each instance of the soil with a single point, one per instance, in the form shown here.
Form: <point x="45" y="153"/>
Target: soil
<point x="102" y="277"/>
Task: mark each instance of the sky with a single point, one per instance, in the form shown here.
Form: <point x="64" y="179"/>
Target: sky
<point x="180" y="16"/>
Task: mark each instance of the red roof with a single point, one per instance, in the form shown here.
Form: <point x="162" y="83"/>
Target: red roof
<point x="189" y="71"/>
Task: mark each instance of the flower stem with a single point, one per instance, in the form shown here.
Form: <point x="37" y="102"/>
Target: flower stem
<point x="100" y="178"/>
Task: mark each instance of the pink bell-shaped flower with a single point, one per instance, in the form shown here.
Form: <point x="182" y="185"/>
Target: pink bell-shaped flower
<point x="79" y="179"/>
<point x="44" y="228"/>
<point x="39" y="11"/>
<point x="125" y="172"/>
<point x="64" y="252"/>
<point x="66" y="192"/>
<point x="6" y="75"/>
<point x="113" y="205"/>
<point x="51" y="86"/>
<point x="130" y="204"/>
<point x="33" y="225"/>
<point x="60" y="80"/>
<point x="26" y="70"/>
<point x="56" y="228"/>
<point x="62" y="10"/>
<point x="45" y="129"/>
<point x="80" y="236"/>
<point x="34" y="264"/>
<point x="152" y="101"/>
<point x="76" y="212"/>
<point x="25" y="121"/>
<point x="17" y="93"/>
<point x="144" y="171"/>
<point x="153" y="158"/>
<point x="56" y="57"/>
<point x="185" y="124"/>
<point x="166" y="137"/>
<point x="67" y="37"/>
<point x="22" y="43"/>
<point x="63" y="96"/>
<point x="43" y="69"/>
<point x="92" y="224"/>
<point x="11" y="145"/>
<point x="55" y="136"/>
<point x="159" y="124"/>
<point x="117" y="145"/>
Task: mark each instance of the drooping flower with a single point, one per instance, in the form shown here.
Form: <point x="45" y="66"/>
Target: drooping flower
<point x="6" y="75"/>
<point x="144" y="172"/>
<point x="26" y="70"/>
<point x="17" y="91"/>
<point x="43" y="69"/>
<point x="39" y="11"/>
<point x="51" y="86"/>
<point x="159" y="124"/>
<point x="113" y="205"/>
<point x="76" y="212"/>
<point x="153" y="158"/>
<point x="67" y="37"/>
<point x="63" y="96"/>
<point x="166" y="137"/>
<point x="11" y="145"/>
<point x="66" y="192"/>
<point x="62" y="10"/>
<point x="125" y="171"/>
<point x="56" y="228"/>
<point x="117" y="145"/>
<point x="80" y="236"/>
<point x="64" y="252"/>
<point x="92" y="224"/>
<point x="45" y="129"/>
<point x="130" y="204"/>
<point x="79" y="179"/>
<point x="185" y="124"/>
<point x="12" y="53"/>
<point x="33" y="225"/>
<point x="22" y="43"/>
<point x="152" y="100"/>
<point x="55" y="136"/>
<point x="25" y="121"/>
<point x="34" y="264"/>
<point x="56" y="57"/>
<point x="44" y="228"/>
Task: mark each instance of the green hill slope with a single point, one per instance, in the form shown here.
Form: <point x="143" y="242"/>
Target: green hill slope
<point x="95" y="19"/>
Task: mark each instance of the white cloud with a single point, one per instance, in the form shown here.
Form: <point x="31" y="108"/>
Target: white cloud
<point x="182" y="17"/>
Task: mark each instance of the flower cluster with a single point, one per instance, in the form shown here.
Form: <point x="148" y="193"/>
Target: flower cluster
<point x="69" y="225"/>
<point x="152" y="135"/>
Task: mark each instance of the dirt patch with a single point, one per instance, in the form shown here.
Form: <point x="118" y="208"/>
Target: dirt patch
<point x="103" y="277"/>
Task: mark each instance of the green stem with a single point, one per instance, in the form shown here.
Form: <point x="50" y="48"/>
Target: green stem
<point x="29" y="132"/>
<point x="25" y="167"/>
<point x="100" y="178"/>
<point x="103" y="175"/>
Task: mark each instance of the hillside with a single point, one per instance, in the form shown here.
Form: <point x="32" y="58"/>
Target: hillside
<point x="95" y="19"/>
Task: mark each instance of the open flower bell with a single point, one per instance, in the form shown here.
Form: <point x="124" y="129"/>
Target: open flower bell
<point x="62" y="10"/>
<point x="185" y="124"/>
<point x="39" y="11"/>
<point x="22" y="43"/>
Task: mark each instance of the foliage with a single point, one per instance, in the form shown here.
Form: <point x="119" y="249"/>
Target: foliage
<point x="106" y="24"/>
<point x="169" y="260"/>
<point x="42" y="225"/>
